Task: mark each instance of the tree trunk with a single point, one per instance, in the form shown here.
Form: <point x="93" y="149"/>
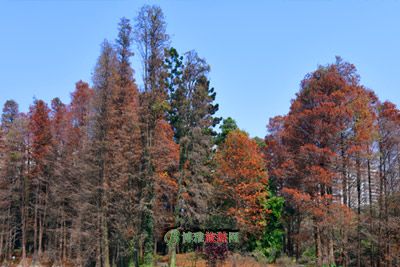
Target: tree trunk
<point x="172" y="253"/>
<point x="331" y="252"/>
<point x="381" y="174"/>
<point x="23" y="230"/>
<point x="105" y="244"/>
<point x="318" y="249"/>
<point x="386" y="216"/>
<point x="35" y="226"/>
<point x="344" y="174"/>
<point x="358" y="170"/>
<point x="1" y="242"/>
<point x="370" y="210"/>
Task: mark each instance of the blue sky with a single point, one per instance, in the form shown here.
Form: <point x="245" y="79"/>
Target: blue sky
<point x="259" y="51"/>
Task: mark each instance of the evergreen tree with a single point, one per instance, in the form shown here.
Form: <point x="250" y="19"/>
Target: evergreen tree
<point x="191" y="115"/>
<point x="227" y="126"/>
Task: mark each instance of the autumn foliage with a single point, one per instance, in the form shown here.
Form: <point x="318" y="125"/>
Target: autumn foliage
<point x="100" y="180"/>
<point x="243" y="180"/>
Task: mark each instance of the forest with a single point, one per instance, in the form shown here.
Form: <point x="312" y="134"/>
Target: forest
<point x="107" y="179"/>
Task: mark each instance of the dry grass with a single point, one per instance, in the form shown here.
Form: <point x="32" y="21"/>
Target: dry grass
<point x="183" y="260"/>
<point x="190" y="260"/>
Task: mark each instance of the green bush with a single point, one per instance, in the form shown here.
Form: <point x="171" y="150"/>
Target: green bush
<point x="270" y="244"/>
<point x="308" y="256"/>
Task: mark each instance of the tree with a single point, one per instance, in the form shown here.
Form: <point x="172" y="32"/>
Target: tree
<point x="166" y="169"/>
<point x="192" y="118"/>
<point x="227" y="126"/>
<point x="40" y="128"/>
<point x="84" y="237"/>
<point x="13" y="206"/>
<point x="270" y="243"/>
<point x="280" y="166"/>
<point x="388" y="184"/>
<point x="10" y="113"/>
<point x="243" y="179"/>
<point x="80" y="105"/>
<point x="126" y="146"/>
<point x="103" y="169"/>
<point x="329" y="104"/>
<point x="151" y="38"/>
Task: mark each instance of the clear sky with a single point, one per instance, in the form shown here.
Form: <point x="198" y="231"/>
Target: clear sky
<point x="259" y="51"/>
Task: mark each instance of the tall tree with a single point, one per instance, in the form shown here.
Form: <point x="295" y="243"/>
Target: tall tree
<point x="105" y="85"/>
<point x="151" y="38"/>
<point x="12" y="133"/>
<point x="243" y="179"/>
<point x="191" y="115"/>
<point x="388" y="185"/>
<point x="40" y="127"/>
<point x="83" y="230"/>
<point x="127" y="147"/>
<point x="331" y="103"/>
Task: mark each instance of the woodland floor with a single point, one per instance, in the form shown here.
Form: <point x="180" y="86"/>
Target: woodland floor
<point x="183" y="260"/>
<point x="188" y="260"/>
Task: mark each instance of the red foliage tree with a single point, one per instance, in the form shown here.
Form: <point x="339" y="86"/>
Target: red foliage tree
<point x="330" y="119"/>
<point x="243" y="180"/>
<point x="40" y="128"/>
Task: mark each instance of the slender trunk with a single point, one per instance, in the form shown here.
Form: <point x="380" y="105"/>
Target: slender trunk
<point x="42" y="221"/>
<point x="24" y="199"/>
<point x="35" y="225"/>
<point x="349" y="191"/>
<point x="155" y="245"/>
<point x="358" y="170"/>
<point x="318" y="249"/>
<point x="369" y="188"/>
<point x="344" y="174"/>
<point x="11" y="240"/>
<point x="98" y="232"/>
<point x="346" y="201"/>
<point x="105" y="249"/>
<point x="298" y="220"/>
<point x="1" y="243"/>
<point x="381" y="179"/>
<point x="370" y="210"/>
<point x="64" y="251"/>
<point x="386" y="217"/>
<point x="182" y="160"/>
<point x="40" y="236"/>
<point x="10" y="234"/>
<point x="141" y="250"/>
<point x="172" y="253"/>
<point x="23" y="230"/>
<point x="60" y="237"/>
<point x="136" y="257"/>
<point x="290" y="232"/>
<point x="78" y="236"/>
<point x="331" y="255"/>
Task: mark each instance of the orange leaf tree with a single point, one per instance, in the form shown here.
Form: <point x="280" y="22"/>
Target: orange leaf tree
<point x="243" y="179"/>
